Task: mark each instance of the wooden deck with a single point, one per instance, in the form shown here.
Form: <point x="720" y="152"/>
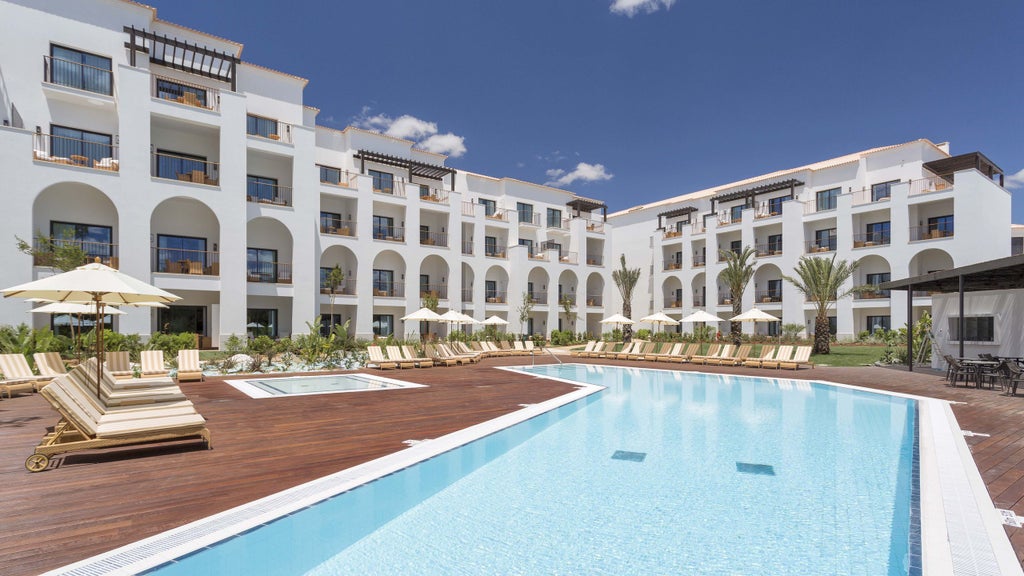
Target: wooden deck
<point x="98" y="501"/>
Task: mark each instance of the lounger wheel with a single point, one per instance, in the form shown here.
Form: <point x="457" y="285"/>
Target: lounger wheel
<point x="37" y="462"/>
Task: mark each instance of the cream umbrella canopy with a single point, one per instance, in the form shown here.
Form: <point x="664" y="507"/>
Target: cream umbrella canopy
<point x="755" y="315"/>
<point x="94" y="283"/>
<point x="701" y="316"/>
<point x="423" y="315"/>
<point x="660" y="318"/>
<point x="495" y="321"/>
<point x="617" y="319"/>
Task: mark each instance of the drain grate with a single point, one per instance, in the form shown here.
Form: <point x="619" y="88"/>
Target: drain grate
<point x="629" y="456"/>
<point x="762" y="469"/>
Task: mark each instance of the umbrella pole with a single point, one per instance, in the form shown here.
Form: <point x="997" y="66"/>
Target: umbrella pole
<point x="99" y="345"/>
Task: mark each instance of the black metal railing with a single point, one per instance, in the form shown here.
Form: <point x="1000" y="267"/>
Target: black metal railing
<point x="390" y="233"/>
<point x="467" y="247"/>
<point x="263" y="192"/>
<point x="337" y="227"/>
<point x="185" y="169"/>
<point x="594" y="300"/>
<point x="186" y="93"/>
<point x="389" y="289"/>
<point x="77" y="75"/>
<point x="434" y="239"/>
<point x="828" y="245"/>
<point x="769" y="249"/>
<point x="75" y="152"/>
<point x="345" y="288"/>
<point x="931" y="232"/>
<point x="269" y="272"/>
<point x="439" y="291"/>
<point x="766" y="296"/>
<point x="91" y="251"/>
<point x="178" y="261"/>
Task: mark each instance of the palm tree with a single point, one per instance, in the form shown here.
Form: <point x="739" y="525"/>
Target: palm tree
<point x="737" y="274"/>
<point x="334" y="279"/>
<point x="820" y="280"/>
<point x="625" y="279"/>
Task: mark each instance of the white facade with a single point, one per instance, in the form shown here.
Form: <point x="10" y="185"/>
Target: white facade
<point x="220" y="187"/>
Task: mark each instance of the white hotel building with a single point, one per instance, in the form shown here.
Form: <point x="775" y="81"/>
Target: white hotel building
<point x="166" y="155"/>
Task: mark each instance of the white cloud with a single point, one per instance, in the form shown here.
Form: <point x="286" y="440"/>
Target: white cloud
<point x="631" y="8"/>
<point x="422" y="132"/>
<point x="1015" y="180"/>
<point x="584" y="172"/>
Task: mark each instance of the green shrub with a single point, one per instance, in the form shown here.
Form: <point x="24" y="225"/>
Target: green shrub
<point x="171" y="343"/>
<point x="643" y="334"/>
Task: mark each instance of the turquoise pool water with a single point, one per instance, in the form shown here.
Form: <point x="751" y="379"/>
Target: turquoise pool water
<point x="326" y="384"/>
<point x="662" y="473"/>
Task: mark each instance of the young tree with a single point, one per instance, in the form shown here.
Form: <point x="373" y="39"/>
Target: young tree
<point x="334" y="279"/>
<point x="524" y="310"/>
<point x="739" y="269"/>
<point x="61" y="254"/>
<point x="570" y="315"/>
<point x="820" y="279"/>
<point x="626" y="279"/>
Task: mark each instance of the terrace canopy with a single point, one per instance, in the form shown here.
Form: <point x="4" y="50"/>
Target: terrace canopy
<point x="1001" y="274"/>
<point x="420" y="169"/>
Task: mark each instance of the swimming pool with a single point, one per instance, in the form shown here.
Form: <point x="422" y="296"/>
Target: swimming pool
<point x="662" y="472"/>
<point x="326" y="384"/>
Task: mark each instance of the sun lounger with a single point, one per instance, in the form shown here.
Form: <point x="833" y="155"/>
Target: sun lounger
<point x="642" y="351"/>
<point x="659" y="351"/>
<point x="116" y="393"/>
<point x="586" y="349"/>
<point x="715" y="351"/>
<point x="438" y="357"/>
<point x="49" y="364"/>
<point x="395" y="355"/>
<point x="767" y="354"/>
<point x="118" y="364"/>
<point x="153" y="363"/>
<point x="18" y="375"/>
<point x="802" y="357"/>
<point x="471" y="356"/>
<point x="487" y="349"/>
<point x="188" y="366"/>
<point x="784" y="353"/>
<point x="505" y="346"/>
<point x="421" y="361"/>
<point x="530" y="347"/>
<point x="376" y="355"/>
<point x="735" y="360"/>
<point x="684" y="353"/>
<point x="627" y="349"/>
<point x="86" y="424"/>
<point x="519" y="348"/>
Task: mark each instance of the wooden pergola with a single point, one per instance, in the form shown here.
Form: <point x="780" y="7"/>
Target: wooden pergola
<point x="750" y="193"/>
<point x="414" y="168"/>
<point x="182" y="55"/>
<point x="581" y="204"/>
<point x="1001" y="274"/>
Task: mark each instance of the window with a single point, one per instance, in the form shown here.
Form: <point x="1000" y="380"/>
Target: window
<point x="178" y="319"/>
<point x="490" y="289"/>
<point x="775" y="204"/>
<point x="554" y="218"/>
<point x="529" y="326"/>
<point x="736" y="246"/>
<point x="424" y="191"/>
<point x="261" y="189"/>
<point x="383" y="227"/>
<point x="549" y="245"/>
<point x="95" y="241"/>
<point x="826" y="199"/>
<point x="490" y="245"/>
<point x="529" y="245"/>
<point x="525" y="212"/>
<point x="383" y="181"/>
<point x="325" y="285"/>
<point x="330" y="175"/>
<point x="383" y="282"/>
<point x="878" y="232"/>
<point x="736" y="214"/>
<point x="330" y="221"/>
<point x="1017" y="246"/>
<point x="261" y="322"/>
<point x="678" y="258"/>
<point x="774" y="243"/>
<point x="490" y="206"/>
<point x="327" y="321"/>
<point x="174" y="253"/>
<point x="424" y="284"/>
<point x="775" y="290"/>
<point x="170" y="164"/>
<point x="681" y="224"/>
<point x="383" y="324"/>
<point x="261" y="264"/>
<point x="260" y="126"/>
<point x="80" y="70"/>
<point x="170" y="90"/>
<point x="424" y="233"/>
<point x="940" y="226"/>
<point x="976" y="329"/>
<point x="876" y="322"/>
<point x="825" y="238"/>
<point x="875" y="280"/>
<point x="529" y="291"/>
<point x="71" y="142"/>
<point x="882" y="190"/>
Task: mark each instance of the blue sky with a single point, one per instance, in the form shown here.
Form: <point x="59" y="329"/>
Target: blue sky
<point x="631" y="101"/>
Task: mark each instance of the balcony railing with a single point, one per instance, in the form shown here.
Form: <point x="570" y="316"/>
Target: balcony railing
<point x="568" y="258"/>
<point x="269" y="128"/>
<point x="269" y="272"/>
<point x="812" y="206"/>
<point x="337" y="177"/>
<point x="724" y="299"/>
<point x="434" y="239"/>
<point x="194" y="262"/>
<point x="467" y="247"/>
<point x="558" y="224"/>
<point x="468" y="208"/>
<point x="529" y="218"/>
<point x="185" y="169"/>
<point x="75" y="152"/>
<point x="571" y="298"/>
<point x="496" y="297"/>
<point x="931" y="184"/>
<point x="498" y="214"/>
<point x="337" y="227"/>
<point x="494" y="252"/>
<point x="594" y="300"/>
<point x="867" y="196"/>
<point x="346" y="288"/>
<point x="870" y="294"/>
<point x="77" y="75"/>
<point x="770" y="249"/>
<point x="930" y="232"/>
<point x="389" y="233"/>
<point x="267" y="193"/>
<point x="595" y="260"/>
<point x="924" y="293"/>
<point x="699" y="261"/>
<point x="671" y="233"/>
<point x="870" y="239"/>
<point x="394" y="188"/>
<point x="766" y="210"/>
<point x="185" y="93"/>
<point x="814" y="246"/>
<point x="672" y="302"/>
<point x="538" y="297"/>
<point x="434" y="195"/>
<point x="107" y="253"/>
<point x="767" y="296"/>
<point x="595" y="226"/>
<point x="467" y="294"/>
<point x="669" y="265"/>
<point x="697" y="227"/>
<point x="725" y="218"/>
<point x="699" y="301"/>
<point x="439" y="291"/>
<point x="389" y="289"/>
<point x="537" y="253"/>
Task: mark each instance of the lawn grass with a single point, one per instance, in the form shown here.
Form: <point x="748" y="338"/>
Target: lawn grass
<point x="848" y="355"/>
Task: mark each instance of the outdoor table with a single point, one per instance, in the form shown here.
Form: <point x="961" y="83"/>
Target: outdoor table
<point x="978" y="367"/>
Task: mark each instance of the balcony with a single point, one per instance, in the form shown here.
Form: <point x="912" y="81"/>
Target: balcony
<point x="468" y="208"/>
<point x="537" y="254"/>
<point x="434" y="239"/>
<point x="498" y="214"/>
<point x="496" y="297"/>
<point x="268" y="128"/>
<point x="815" y="246"/>
<point x="439" y="291"/>
<point x="767" y="296"/>
<point x="77" y="75"/>
<point x="725" y="299"/>
<point x="929" y="185"/>
<point x="75" y="152"/>
<point x="669" y="234"/>
<point x="871" y="294"/>
<point x="595" y="260"/>
<point x="389" y="289"/>
<point x="725" y="219"/>
<point x="868" y="196"/>
<point x="338" y="227"/>
<point x="699" y="261"/>
<point x="185" y="93"/>
<point x="467" y="294"/>
<point x="870" y="239"/>
<point x="672" y="302"/>
<point x="389" y="233"/>
<point x="537" y="297"/>
<point x="699" y="302"/>
<point x="194" y="262"/>
<point x="669" y="266"/>
<point x="770" y="249"/>
<point x="269" y="272"/>
<point x="568" y="258"/>
<point x="563" y="298"/>
<point x="346" y="288"/>
<point x="102" y="252"/>
<point x="494" y="252"/>
<point x="931" y="232"/>
<point x="529" y="218"/>
<point x="185" y="169"/>
<point x="467" y="247"/>
<point x="594" y="300"/>
<point x="697" y="227"/>
<point x="595" y="226"/>
<point x="390" y="188"/>
<point x="434" y="195"/>
<point x="263" y="192"/>
<point x="766" y="210"/>
<point x="337" y="177"/>
<point x="556" y="224"/>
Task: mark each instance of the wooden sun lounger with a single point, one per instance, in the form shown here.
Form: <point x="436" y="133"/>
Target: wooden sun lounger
<point x="627" y="350"/>
<point x="115" y="393"/>
<point x="741" y="356"/>
<point x="376" y="355"/>
<point x="87" y="424"/>
<point x="589" y="347"/>
<point x="767" y="353"/>
<point x="519" y="348"/>
<point x="594" y="352"/>
<point x="439" y="358"/>
<point x="421" y="361"/>
<point x="642" y="351"/>
<point x="188" y="366"/>
<point x="684" y="355"/>
<point x="395" y="355"/>
<point x="152" y="362"/>
<point x="802" y="357"/>
<point x="118" y="364"/>
<point x="473" y="357"/>
<point x="784" y="353"/>
<point x="659" y="351"/>
<point x="18" y="375"/>
<point x="715" y="351"/>
<point x="49" y="364"/>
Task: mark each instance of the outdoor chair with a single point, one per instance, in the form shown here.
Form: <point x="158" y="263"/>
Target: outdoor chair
<point x="685" y="355"/>
<point x="520" y="348"/>
<point x="784" y="353"/>
<point x="188" y="366"/>
<point x="118" y="364"/>
<point x="473" y="356"/>
<point x="18" y="375"/>
<point x="630" y="349"/>
<point x="395" y="355"/>
<point x="421" y="361"/>
<point x="439" y="358"/>
<point x="802" y="357"/>
<point x="1012" y="375"/>
<point x="530" y="348"/>
<point x="586" y="350"/>
<point x="956" y="371"/>
<point x="124" y="392"/>
<point x="662" y="351"/>
<point x="153" y="364"/>
<point x="504" y="345"/>
<point x="594" y="352"/>
<point x="741" y="356"/>
<point x="767" y="353"/>
<point x="49" y="364"/>
<point x="376" y="355"/>
<point x="722" y="351"/>
<point x="643" y="351"/>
